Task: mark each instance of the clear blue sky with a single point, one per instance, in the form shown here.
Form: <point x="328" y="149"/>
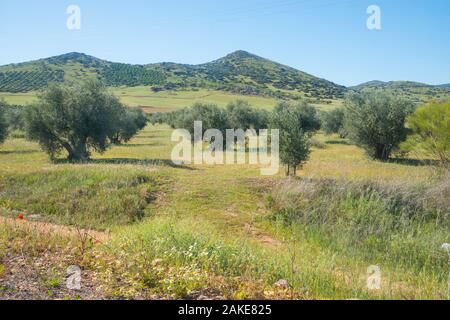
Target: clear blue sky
<point x="327" y="38"/>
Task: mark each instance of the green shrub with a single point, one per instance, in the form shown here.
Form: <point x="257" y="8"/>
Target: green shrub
<point x="430" y="127"/>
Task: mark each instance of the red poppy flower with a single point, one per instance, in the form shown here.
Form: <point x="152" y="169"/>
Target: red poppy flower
<point x="20" y="216"/>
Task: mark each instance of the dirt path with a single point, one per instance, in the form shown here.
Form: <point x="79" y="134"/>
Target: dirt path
<point x="229" y="197"/>
<point x="49" y="228"/>
<point x="39" y="270"/>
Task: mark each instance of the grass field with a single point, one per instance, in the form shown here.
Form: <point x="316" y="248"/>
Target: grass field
<point x="226" y="231"/>
<point x="166" y="101"/>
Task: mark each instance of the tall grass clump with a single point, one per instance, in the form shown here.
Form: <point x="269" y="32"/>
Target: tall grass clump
<point x="88" y="196"/>
<point x="397" y="224"/>
<point x="181" y="259"/>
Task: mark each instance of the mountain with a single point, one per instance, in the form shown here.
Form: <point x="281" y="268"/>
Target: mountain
<point x="239" y="71"/>
<point x="244" y="72"/>
<point x="447" y="85"/>
<point x="416" y="91"/>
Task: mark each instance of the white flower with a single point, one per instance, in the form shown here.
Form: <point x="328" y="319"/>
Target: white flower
<point x="446" y="246"/>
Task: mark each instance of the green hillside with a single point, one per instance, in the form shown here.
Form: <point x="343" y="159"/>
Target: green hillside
<point x="239" y="72"/>
<point x="246" y="73"/>
<point x="73" y="67"/>
<point x="419" y="92"/>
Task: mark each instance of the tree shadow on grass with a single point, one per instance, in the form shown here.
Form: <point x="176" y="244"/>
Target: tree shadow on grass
<point x="129" y="161"/>
<point x="7" y="152"/>
<point x="343" y="142"/>
<point x="137" y="145"/>
<point x="414" y="162"/>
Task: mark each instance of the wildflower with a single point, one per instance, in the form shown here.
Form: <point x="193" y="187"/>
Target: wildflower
<point x="446" y="246"/>
<point x="20" y="216"/>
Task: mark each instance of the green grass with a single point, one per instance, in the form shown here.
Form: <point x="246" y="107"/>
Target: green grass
<point x="86" y="195"/>
<point x="167" y="101"/>
<point x="211" y="228"/>
<point x="19" y="98"/>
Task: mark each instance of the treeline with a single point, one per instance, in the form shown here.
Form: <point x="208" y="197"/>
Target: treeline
<point x="24" y="81"/>
<point x="77" y="120"/>
<point x="296" y="122"/>
<point x="379" y="123"/>
<point x="238" y="114"/>
<point x="83" y="119"/>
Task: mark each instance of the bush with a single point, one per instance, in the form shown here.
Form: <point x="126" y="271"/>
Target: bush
<point x="376" y="122"/>
<point x="78" y="120"/>
<point x="297" y="123"/>
<point x="430" y="127"/>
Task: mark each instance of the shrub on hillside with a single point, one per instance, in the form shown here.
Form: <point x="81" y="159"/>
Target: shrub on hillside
<point x="376" y="122"/>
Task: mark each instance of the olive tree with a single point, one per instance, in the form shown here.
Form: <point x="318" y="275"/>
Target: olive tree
<point x="77" y="119"/>
<point x="376" y="122"/>
<point x="333" y="122"/>
<point x="211" y="116"/>
<point x="297" y="123"/>
<point x="130" y="123"/>
<point x="243" y="116"/>
<point x="3" y="124"/>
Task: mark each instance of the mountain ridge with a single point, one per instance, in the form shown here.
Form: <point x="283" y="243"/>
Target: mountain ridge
<point x="239" y="71"/>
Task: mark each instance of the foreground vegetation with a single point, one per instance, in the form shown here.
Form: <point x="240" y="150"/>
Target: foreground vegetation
<point x="225" y="231"/>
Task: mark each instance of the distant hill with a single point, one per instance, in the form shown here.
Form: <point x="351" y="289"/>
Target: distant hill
<point x="73" y="67"/>
<point x="239" y="72"/>
<point x="419" y="92"/>
<point x="391" y="84"/>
